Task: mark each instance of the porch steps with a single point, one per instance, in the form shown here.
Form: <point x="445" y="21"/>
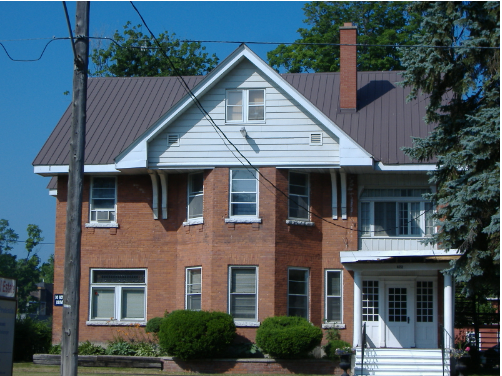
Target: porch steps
<point x="400" y="362"/>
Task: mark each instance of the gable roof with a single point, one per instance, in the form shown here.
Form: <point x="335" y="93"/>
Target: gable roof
<point x="122" y="111"/>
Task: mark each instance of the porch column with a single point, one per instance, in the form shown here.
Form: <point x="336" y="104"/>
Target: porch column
<point x="358" y="314"/>
<point x="448" y="310"/>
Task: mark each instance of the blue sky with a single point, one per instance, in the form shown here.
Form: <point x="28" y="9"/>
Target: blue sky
<point x="32" y="93"/>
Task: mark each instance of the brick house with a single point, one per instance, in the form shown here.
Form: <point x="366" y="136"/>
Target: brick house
<point x="297" y="201"/>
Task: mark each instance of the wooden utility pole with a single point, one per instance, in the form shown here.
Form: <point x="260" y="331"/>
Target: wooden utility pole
<point x="71" y="291"/>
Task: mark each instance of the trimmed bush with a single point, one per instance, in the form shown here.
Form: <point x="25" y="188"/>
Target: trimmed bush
<point x="196" y="334"/>
<point x="153" y="325"/>
<point x="285" y="337"/>
<point x="31" y="337"/>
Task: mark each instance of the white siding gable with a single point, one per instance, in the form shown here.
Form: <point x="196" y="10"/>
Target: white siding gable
<point x="283" y="139"/>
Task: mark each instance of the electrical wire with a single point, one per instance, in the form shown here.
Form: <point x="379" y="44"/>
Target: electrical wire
<point x="231" y="42"/>
<point x="222" y="134"/>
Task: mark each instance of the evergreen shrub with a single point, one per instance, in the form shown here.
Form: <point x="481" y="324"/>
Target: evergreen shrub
<point x="286" y="337"/>
<point x="31" y="337"/>
<point x="153" y="325"/>
<point x="196" y="334"/>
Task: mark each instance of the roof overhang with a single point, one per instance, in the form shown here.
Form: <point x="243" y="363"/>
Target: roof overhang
<point x="351" y="257"/>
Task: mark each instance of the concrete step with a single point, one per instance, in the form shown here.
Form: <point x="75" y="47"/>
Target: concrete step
<point x="400" y="362"/>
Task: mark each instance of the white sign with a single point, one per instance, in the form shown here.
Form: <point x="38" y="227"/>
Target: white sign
<point x="8" y="287"/>
<point x="7" y="322"/>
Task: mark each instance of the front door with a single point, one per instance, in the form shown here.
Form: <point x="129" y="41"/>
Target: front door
<point x="400" y="328"/>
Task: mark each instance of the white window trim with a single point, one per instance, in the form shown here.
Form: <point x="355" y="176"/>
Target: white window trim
<point x="308" y="289"/>
<point x="372" y="200"/>
<point x="326" y="296"/>
<point x="245" y="106"/>
<point x="114" y="321"/>
<point x="244" y="322"/>
<point x="243" y="218"/>
<point x="187" y="270"/>
<point x="298" y="220"/>
<point x="96" y="223"/>
<point x="195" y="220"/>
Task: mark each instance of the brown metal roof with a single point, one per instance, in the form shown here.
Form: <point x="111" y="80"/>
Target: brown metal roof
<point x="119" y="110"/>
<point x="383" y="123"/>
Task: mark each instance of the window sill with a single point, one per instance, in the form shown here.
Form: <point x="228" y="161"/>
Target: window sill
<point x="115" y="323"/>
<point x="297" y="222"/>
<point x="243" y="220"/>
<point x="102" y="224"/>
<point x="333" y="325"/>
<point x="194" y="221"/>
<point x="252" y="324"/>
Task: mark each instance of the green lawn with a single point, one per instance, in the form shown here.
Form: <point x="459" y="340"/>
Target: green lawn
<point x="30" y="369"/>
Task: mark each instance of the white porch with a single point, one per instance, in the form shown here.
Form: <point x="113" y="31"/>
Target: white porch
<point x="399" y="300"/>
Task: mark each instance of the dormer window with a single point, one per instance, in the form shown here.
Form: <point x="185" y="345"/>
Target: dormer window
<point x="245" y="106"/>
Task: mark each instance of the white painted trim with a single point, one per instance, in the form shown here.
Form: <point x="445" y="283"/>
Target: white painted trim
<point x="53" y="192"/>
<point x="236" y="164"/>
<point x="343" y="182"/>
<point x="334" y="194"/>
<point x="379" y="166"/>
<point x="374" y="268"/>
<point x="355" y="256"/>
<point x="163" y="184"/>
<point x="135" y="155"/>
<point x="155" y="194"/>
<point x="63" y="169"/>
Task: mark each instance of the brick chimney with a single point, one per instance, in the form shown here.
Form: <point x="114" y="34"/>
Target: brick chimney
<point x="348" y="67"/>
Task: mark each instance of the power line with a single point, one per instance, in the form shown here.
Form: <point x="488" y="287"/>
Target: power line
<point x="222" y="134"/>
<point x="233" y="42"/>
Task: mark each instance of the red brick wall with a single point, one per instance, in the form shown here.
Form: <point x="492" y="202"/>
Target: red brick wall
<point x="166" y="247"/>
<point x="348" y="67"/>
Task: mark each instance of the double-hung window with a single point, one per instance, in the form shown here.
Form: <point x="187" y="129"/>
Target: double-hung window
<point x="243" y="293"/>
<point x="333" y="291"/>
<point x="103" y="199"/>
<point x="193" y="288"/>
<point x="245" y="105"/>
<point x="118" y="295"/>
<point x="298" y="196"/>
<point x="195" y="195"/>
<point x="243" y="193"/>
<point x="396" y="212"/>
<point x="298" y="292"/>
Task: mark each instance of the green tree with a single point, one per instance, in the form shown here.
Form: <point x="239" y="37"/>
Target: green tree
<point x="137" y="55"/>
<point x="380" y="22"/>
<point x="26" y="270"/>
<point x="47" y="270"/>
<point x="462" y="85"/>
<point x="8" y="236"/>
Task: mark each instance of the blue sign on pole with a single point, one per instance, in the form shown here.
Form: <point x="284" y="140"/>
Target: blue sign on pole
<point x="58" y="299"/>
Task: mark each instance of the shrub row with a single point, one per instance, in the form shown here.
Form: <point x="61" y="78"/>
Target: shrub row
<point x="193" y="335"/>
